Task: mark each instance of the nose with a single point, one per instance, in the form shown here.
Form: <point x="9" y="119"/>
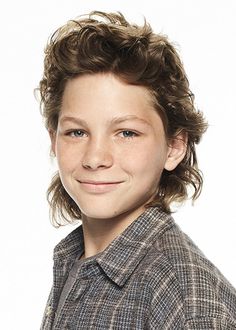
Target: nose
<point x="97" y="155"/>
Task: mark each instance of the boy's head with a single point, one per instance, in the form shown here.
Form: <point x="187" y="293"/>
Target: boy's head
<point x="105" y="46"/>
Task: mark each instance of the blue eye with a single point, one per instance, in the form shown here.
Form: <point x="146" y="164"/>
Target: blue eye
<point x="129" y="134"/>
<point x="76" y="133"/>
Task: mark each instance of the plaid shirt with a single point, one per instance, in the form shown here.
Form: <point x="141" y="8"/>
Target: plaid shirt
<point x="151" y="276"/>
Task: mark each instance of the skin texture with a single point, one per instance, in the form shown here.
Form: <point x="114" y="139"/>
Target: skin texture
<point x="92" y="143"/>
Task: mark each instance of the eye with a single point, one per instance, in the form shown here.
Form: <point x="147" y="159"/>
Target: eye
<point x="76" y="133"/>
<point x="129" y="134"/>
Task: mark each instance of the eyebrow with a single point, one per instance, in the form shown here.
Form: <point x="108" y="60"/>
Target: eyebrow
<point x="113" y="121"/>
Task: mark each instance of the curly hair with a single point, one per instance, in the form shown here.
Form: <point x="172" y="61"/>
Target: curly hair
<point x="107" y="43"/>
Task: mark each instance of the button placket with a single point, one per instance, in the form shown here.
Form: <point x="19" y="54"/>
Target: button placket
<point x="79" y="290"/>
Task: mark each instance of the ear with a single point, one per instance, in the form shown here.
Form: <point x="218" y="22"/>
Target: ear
<point x="177" y="150"/>
<point x="52" y="135"/>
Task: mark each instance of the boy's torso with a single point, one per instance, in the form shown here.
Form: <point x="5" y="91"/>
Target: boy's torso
<point x="150" y="277"/>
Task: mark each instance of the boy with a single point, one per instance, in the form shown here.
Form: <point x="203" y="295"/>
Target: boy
<point x="123" y="127"/>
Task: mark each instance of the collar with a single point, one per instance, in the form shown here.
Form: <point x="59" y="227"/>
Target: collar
<point x="124" y="253"/>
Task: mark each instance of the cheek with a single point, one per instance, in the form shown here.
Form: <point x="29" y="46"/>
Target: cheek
<point x="147" y="161"/>
<point x="67" y="157"/>
<point x="148" y="158"/>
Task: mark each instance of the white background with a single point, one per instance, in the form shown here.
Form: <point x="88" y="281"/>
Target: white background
<point x="204" y="32"/>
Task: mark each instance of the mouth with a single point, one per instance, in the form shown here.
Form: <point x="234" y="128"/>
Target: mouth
<point x="99" y="182"/>
<point x="98" y="187"/>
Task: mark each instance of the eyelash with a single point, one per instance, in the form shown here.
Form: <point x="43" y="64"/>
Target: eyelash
<point x="72" y="133"/>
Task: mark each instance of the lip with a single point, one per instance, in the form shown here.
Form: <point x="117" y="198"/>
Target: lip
<point x="99" y="182"/>
<point x="98" y="186"/>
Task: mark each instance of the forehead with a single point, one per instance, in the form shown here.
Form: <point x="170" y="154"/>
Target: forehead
<point x="104" y="99"/>
<point x="105" y="91"/>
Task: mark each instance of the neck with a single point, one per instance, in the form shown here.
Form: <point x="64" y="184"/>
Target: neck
<point x="99" y="233"/>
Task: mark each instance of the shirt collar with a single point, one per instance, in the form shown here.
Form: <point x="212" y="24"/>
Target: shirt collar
<point x="125" y="252"/>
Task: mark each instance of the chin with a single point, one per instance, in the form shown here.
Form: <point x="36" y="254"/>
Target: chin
<point x="99" y="214"/>
<point x="102" y="209"/>
<point x="109" y="210"/>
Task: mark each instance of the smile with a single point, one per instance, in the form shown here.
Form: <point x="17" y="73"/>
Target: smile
<point x="98" y="187"/>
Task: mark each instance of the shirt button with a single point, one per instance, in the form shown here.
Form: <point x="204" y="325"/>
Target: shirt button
<point x="49" y="310"/>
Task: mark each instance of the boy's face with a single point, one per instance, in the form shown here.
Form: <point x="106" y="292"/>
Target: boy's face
<point x="110" y="146"/>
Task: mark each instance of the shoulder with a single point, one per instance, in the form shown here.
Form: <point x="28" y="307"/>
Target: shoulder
<point x="190" y="280"/>
<point x="69" y="247"/>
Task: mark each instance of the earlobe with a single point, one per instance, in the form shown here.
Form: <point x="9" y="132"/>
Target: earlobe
<point x="177" y="151"/>
<point x="52" y="135"/>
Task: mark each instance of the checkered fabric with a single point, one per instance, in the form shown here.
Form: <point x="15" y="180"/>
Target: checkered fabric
<point x="151" y="276"/>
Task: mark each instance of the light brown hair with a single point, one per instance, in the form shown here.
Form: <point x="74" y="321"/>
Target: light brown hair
<point x="107" y="42"/>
